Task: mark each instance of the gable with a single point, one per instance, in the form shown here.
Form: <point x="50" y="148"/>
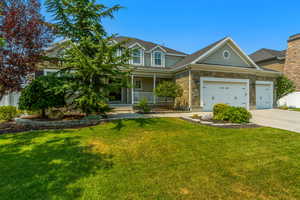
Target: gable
<point x="235" y="59"/>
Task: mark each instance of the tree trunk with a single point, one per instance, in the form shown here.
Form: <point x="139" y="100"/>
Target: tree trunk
<point x="43" y="113"/>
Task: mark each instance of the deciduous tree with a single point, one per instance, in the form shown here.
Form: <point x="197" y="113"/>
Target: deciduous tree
<point x="26" y="36"/>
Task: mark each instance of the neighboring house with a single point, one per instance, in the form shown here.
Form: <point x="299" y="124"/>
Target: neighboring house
<point x="285" y="61"/>
<point x="218" y="73"/>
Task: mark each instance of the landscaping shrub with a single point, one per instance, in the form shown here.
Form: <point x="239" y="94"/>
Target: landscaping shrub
<point x="218" y="110"/>
<point x="143" y="106"/>
<point x="283" y="107"/>
<point x="232" y="114"/>
<point x="195" y="116"/>
<point x="8" y="112"/>
<point x="284" y="86"/>
<point x="42" y="93"/>
<point x="237" y="115"/>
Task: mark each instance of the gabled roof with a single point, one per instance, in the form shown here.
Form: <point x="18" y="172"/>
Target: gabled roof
<point x="267" y="54"/>
<point x="147" y="45"/>
<point x="190" y="58"/>
<point x="202" y="53"/>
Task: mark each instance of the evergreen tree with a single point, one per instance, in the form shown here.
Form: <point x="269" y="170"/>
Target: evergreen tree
<point x="93" y="64"/>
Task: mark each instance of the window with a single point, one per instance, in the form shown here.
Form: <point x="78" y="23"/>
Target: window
<point x="226" y="54"/>
<point x="137" y="84"/>
<point x="137" y="57"/>
<point x="157" y="58"/>
<point x="50" y="71"/>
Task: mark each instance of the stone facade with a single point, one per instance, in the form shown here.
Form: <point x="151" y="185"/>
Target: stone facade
<point x="183" y="80"/>
<point x="292" y="61"/>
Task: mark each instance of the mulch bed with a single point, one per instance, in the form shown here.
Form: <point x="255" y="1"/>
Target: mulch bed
<point x="66" y="117"/>
<point x="225" y="124"/>
<point x="12" y="127"/>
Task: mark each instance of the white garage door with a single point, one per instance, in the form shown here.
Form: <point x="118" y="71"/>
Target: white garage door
<point x="264" y="95"/>
<point x="230" y="92"/>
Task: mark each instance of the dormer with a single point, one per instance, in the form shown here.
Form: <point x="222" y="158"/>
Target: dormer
<point x="138" y="52"/>
<point x="158" y="57"/>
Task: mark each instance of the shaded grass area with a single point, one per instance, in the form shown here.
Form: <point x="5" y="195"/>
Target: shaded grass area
<point x="151" y="159"/>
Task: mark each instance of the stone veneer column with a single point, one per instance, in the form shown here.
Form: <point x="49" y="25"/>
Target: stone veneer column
<point x="292" y="62"/>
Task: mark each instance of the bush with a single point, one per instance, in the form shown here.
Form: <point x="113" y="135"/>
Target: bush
<point x="232" y="114"/>
<point x="237" y="115"/>
<point x="168" y="90"/>
<point x="284" y="86"/>
<point x="283" y="107"/>
<point x="218" y="110"/>
<point x="42" y="93"/>
<point x="143" y="106"/>
<point x="195" y="116"/>
<point x="8" y="112"/>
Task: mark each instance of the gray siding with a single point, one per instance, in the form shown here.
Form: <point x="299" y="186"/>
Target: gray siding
<point x="169" y="60"/>
<point x="172" y="60"/>
<point x="218" y="59"/>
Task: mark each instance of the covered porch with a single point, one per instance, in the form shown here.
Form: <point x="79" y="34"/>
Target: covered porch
<point x="143" y="86"/>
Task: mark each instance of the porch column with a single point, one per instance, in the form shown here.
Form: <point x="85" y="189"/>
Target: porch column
<point x="132" y="90"/>
<point x="190" y="90"/>
<point x="154" y="86"/>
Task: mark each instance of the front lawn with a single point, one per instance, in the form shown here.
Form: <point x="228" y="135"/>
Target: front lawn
<point x="150" y="159"/>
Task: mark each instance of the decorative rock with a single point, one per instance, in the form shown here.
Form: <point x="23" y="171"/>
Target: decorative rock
<point x="207" y="117"/>
<point x="56" y="114"/>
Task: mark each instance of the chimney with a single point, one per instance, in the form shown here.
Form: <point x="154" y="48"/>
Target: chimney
<point x="292" y="60"/>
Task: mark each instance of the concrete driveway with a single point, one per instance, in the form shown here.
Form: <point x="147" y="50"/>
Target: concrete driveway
<point x="283" y="119"/>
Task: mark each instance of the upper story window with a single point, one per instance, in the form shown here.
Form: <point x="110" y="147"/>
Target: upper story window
<point x="137" y="57"/>
<point x="157" y="58"/>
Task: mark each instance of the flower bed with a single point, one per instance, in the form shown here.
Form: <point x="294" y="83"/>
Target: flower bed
<point x="217" y="123"/>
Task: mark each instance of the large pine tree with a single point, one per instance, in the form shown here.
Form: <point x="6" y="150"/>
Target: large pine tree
<point x="92" y="62"/>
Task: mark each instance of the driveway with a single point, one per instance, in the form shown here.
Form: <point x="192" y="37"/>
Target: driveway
<point x="283" y="119"/>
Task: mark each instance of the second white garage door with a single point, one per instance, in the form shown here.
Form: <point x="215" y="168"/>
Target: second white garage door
<point x="264" y="95"/>
<point x="234" y="92"/>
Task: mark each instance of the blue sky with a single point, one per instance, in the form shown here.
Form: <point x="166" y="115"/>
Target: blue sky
<point x="192" y="24"/>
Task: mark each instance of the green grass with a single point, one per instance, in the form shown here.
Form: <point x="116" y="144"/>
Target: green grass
<point x="151" y="159"/>
<point x="294" y="109"/>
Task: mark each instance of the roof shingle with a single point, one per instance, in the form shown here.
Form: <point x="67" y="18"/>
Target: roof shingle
<point x="147" y="45"/>
<point x="267" y="54"/>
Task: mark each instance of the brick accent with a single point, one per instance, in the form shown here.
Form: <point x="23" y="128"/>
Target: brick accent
<point x="292" y="61"/>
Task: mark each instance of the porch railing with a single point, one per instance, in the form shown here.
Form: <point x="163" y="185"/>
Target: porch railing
<point x="150" y="97"/>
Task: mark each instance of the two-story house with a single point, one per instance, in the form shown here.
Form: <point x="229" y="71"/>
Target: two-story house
<point x="218" y="73"/>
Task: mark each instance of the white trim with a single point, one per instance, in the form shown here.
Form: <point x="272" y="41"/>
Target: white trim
<point x="137" y="44"/>
<point x="202" y="79"/>
<point x="154" y="86"/>
<point x="49" y="70"/>
<point x="221" y="44"/>
<point x="271" y="83"/>
<point x="142" y="58"/>
<point x="248" y="58"/>
<point x="190" y="89"/>
<point x="174" y="54"/>
<point x="233" y="49"/>
<point x="210" y="51"/>
<point x="163" y="59"/>
<point x="157" y="46"/>
<point x="138" y="79"/>
<point x="132" y="90"/>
